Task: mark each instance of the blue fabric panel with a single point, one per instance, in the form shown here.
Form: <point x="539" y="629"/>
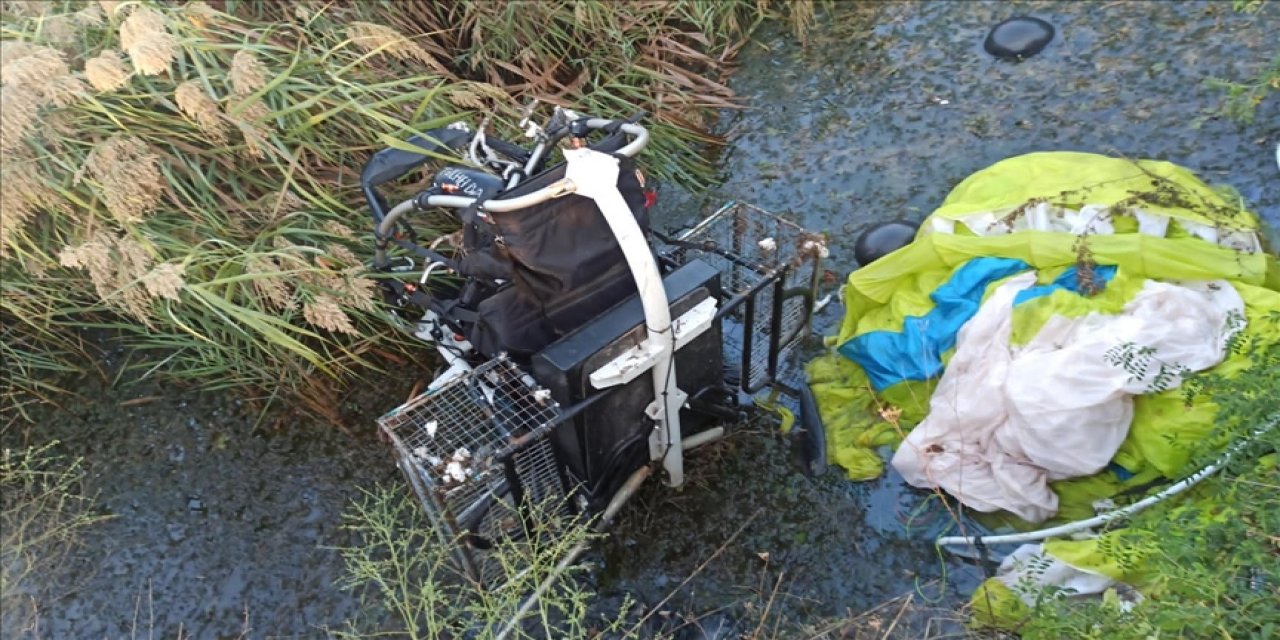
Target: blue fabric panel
<point x="1120" y="472"/>
<point x="1069" y="280"/>
<point x="915" y="353"/>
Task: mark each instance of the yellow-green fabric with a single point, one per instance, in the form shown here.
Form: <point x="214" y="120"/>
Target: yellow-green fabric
<point x="1165" y="432"/>
<point x="930" y="257"/>
<point x="863" y="426"/>
<point x="1074" y="179"/>
<point x="1124" y="555"/>
<point x="995" y="605"/>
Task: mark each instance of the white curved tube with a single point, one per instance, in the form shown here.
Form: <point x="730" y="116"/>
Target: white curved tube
<point x="1081" y="525"/>
<point x="639" y="133"/>
<point x="595" y="175"/>
<point x="429" y="270"/>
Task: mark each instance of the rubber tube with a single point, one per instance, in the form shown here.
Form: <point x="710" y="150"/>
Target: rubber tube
<point x="1081" y="525"/>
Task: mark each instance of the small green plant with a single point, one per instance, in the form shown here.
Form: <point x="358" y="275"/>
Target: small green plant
<point x="42" y="513"/>
<point x="404" y="570"/>
<point x="1242" y="98"/>
<point x="1247" y="6"/>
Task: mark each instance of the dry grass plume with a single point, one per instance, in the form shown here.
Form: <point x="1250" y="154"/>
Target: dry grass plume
<point x="128" y="177"/>
<point x="106" y="71"/>
<point x="197" y="105"/>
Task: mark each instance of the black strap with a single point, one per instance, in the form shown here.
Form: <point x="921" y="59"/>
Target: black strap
<point x="470" y="215"/>
<point x="984" y="554"/>
<point x="424" y="252"/>
<point x="451" y="311"/>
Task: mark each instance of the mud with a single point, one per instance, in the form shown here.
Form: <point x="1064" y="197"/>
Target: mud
<point x="223" y="527"/>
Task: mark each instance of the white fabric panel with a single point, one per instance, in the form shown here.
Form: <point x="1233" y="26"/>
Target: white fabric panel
<point x="1004" y="422"/>
<point x="1152" y="224"/>
<point x="1093" y="219"/>
<point x="1028" y="571"/>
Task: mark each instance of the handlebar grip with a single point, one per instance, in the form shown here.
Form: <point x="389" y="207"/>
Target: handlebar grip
<point x="389" y="164"/>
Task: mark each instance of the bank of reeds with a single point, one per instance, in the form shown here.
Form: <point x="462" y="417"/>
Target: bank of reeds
<point x="182" y="175"/>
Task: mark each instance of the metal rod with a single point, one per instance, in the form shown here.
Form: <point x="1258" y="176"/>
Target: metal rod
<point x="775" y="326"/>
<point x="748" y="337"/>
<point x="564" y="416"/>
<point x="815" y="279"/>
<point x="732" y="303"/>
<point x="619" y="499"/>
<point x="702" y="437"/>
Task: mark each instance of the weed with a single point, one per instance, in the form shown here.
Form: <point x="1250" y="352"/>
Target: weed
<point x="42" y="512"/>
<point x="1209" y="561"/>
<point x="411" y="587"/>
<point x="1242" y="98"/>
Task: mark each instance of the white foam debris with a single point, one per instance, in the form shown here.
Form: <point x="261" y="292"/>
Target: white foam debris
<point x="813" y="246"/>
<point x="455" y="471"/>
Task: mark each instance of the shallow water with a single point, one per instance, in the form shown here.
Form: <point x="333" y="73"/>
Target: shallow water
<point x="220" y="526"/>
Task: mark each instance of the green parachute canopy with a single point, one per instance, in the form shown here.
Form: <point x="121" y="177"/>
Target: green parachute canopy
<point x="1096" y="232"/>
<point x="1142" y="220"/>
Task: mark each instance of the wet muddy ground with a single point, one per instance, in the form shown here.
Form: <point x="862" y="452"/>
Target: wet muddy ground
<point x="225" y="528"/>
<point x="221" y="526"/>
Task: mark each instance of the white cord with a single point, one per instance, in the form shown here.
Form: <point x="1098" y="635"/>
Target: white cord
<point x="427" y="272"/>
<point x="1081" y="525"/>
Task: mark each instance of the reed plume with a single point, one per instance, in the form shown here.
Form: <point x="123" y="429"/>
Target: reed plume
<point x="385" y="40"/>
<point x="106" y="72"/>
<point x="145" y="36"/>
<point x="247" y="74"/>
<point x="128" y="176"/>
<point x="197" y="105"/>
<point x="324" y="312"/>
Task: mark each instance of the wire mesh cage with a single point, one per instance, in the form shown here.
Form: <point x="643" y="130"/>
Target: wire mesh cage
<point x="770" y="269"/>
<point x="476" y="452"/>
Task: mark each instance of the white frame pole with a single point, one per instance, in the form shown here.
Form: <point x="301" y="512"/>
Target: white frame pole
<point x="595" y="175"/>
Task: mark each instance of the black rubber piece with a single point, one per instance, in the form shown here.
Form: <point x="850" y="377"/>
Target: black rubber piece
<point x="1019" y="38"/>
<point x="881" y="240"/>
<point x="813" y="432"/>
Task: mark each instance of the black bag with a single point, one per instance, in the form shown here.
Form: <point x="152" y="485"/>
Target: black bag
<point x="566" y="265"/>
